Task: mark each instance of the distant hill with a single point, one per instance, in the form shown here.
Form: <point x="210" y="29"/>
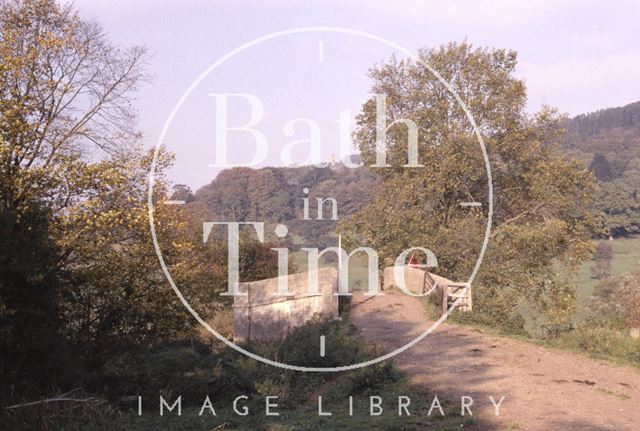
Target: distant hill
<point x="274" y="195"/>
<point x="612" y="134"/>
<point x="605" y="120"/>
<point x="608" y="141"/>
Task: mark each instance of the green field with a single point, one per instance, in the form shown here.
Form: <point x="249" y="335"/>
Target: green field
<point x="626" y="258"/>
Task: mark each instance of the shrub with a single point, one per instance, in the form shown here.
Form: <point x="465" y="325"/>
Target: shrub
<point x="241" y="375"/>
<point x="373" y="379"/>
<point x="182" y="367"/>
<point x="602" y="342"/>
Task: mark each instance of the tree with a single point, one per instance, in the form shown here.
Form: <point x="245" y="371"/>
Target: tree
<point x="601" y="269"/>
<point x="541" y="199"/>
<point x="596" y="123"/>
<point x="615" y="302"/>
<point x="64" y="93"/>
<point x="601" y="168"/>
<point x="64" y="101"/>
<point x="182" y="192"/>
<point x="32" y="352"/>
<point x="275" y="195"/>
<point x="270" y="199"/>
<point x="617" y="203"/>
<point x="115" y="294"/>
<point x="227" y="194"/>
<point x="604" y="251"/>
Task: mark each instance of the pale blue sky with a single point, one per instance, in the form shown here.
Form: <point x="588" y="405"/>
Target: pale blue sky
<point x="579" y="56"/>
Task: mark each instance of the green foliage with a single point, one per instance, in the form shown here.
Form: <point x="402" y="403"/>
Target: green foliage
<point x="115" y="293"/>
<point x="611" y="313"/>
<point x="51" y="61"/>
<point x="626" y="258"/>
<point x="541" y="199"/>
<point x="343" y="347"/>
<point x="275" y="195"/>
<point x="50" y="134"/>
<point x="370" y="380"/>
<point x="595" y="123"/>
<point x="227" y="374"/>
<point x="179" y="367"/>
<point x="601" y="168"/>
<point x="618" y="203"/>
<point x="616" y="303"/>
<point x="603" y="255"/>
<point x="610" y="140"/>
<point x="182" y="192"/>
<point x="32" y="353"/>
<point x="85" y="269"/>
<point x="76" y="259"/>
<point x="601" y="343"/>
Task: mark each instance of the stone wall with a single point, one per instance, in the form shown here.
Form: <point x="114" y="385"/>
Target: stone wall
<point x="262" y="314"/>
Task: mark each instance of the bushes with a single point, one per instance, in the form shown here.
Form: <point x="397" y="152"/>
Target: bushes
<point x="32" y="354"/>
<point x="192" y="370"/>
<point x="613" y="310"/>
<point x="182" y="368"/>
<point x="88" y="414"/>
<point x="601" y="342"/>
<point x="343" y="345"/>
<point x="371" y="380"/>
<point x="301" y="347"/>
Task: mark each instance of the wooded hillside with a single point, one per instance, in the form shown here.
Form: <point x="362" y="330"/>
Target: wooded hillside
<point x="608" y="141"/>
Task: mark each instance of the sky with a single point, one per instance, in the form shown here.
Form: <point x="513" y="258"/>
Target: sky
<point x="578" y="56"/>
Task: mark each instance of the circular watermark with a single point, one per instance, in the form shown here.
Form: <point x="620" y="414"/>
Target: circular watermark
<point x="233" y="53"/>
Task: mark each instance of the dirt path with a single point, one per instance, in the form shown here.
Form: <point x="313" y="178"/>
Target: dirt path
<point x="545" y="389"/>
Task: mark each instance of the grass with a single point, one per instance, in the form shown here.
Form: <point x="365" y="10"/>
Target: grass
<point x="306" y="417"/>
<point x="596" y="343"/>
<point x="199" y="372"/>
<point x="599" y="344"/>
<point x="614" y="394"/>
<point x="195" y="372"/>
<point x="626" y="258"/>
